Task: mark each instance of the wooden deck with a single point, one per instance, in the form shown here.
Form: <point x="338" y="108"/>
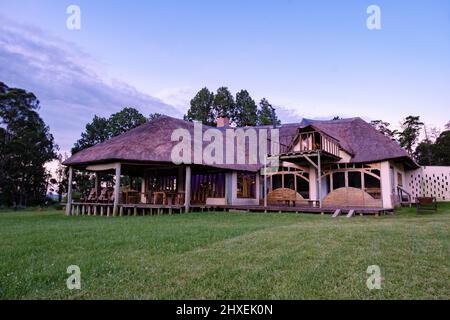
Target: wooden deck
<point x="296" y="209"/>
<point x="106" y="209"/>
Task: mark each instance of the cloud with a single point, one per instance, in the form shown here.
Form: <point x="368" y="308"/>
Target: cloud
<point x="178" y="97"/>
<point x="70" y="84"/>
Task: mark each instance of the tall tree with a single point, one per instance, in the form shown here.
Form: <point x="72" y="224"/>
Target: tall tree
<point x="201" y="108"/>
<point x="154" y="116"/>
<point x="266" y="114"/>
<point x="383" y="127"/>
<point x="442" y="149"/>
<point x="102" y="129"/>
<point x="96" y="132"/>
<point x="26" y="145"/>
<point x="61" y="179"/>
<point x="425" y="153"/>
<point x="223" y="105"/>
<point x="125" y="120"/>
<point x="245" y="111"/>
<point x="411" y="127"/>
<point x="429" y="153"/>
<point x="431" y="133"/>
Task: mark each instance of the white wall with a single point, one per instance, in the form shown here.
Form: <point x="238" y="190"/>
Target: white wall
<point x="345" y="157"/>
<point x="386" y="185"/>
<point x="431" y="181"/>
<point x="313" y="185"/>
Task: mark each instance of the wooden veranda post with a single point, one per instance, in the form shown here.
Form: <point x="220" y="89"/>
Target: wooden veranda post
<point x="96" y="184"/>
<point x="187" y="189"/>
<point x="69" y="194"/>
<point x="117" y="190"/>
<point x="319" y="177"/>
<point x="265" y="182"/>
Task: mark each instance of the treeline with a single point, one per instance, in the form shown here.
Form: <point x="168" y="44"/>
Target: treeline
<point x="242" y="110"/>
<point x="432" y="150"/>
<point x="26" y="145"/>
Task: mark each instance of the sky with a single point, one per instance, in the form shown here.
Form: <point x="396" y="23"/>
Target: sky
<point x="314" y="59"/>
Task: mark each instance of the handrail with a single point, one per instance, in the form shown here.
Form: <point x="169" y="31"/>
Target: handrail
<point x="401" y="190"/>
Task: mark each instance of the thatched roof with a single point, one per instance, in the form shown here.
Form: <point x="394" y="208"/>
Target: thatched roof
<point x="361" y="140"/>
<point x="151" y="143"/>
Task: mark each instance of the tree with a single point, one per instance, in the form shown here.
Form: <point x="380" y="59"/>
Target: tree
<point x="266" y="114"/>
<point x="428" y="153"/>
<point x="26" y="145"/>
<point x="154" y="116"/>
<point x="411" y="129"/>
<point x="383" y="127"/>
<point x="125" y="120"/>
<point x="96" y="132"/>
<point x="201" y="108"/>
<point x="442" y="150"/>
<point x="102" y="129"/>
<point x="223" y="105"/>
<point x="447" y="126"/>
<point x="431" y="133"/>
<point x="245" y="111"/>
<point x="425" y="153"/>
<point x="61" y="176"/>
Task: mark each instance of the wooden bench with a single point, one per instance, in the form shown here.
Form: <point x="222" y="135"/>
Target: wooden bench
<point x="426" y="204"/>
<point x="284" y="196"/>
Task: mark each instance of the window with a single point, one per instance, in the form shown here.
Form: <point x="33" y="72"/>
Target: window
<point x="246" y="185"/>
<point x="338" y="180"/>
<point x="276" y="181"/>
<point x="399" y="179"/>
<point x="303" y="187"/>
<point x="354" y="180"/>
<point x="371" y="182"/>
<point x="289" y="181"/>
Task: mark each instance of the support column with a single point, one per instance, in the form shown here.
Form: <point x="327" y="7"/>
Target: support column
<point x="265" y="182"/>
<point x="312" y="183"/>
<point x="117" y="190"/>
<point x="96" y="185"/>
<point x="69" y="194"/>
<point x="180" y="179"/>
<point x="187" y="189"/>
<point x="319" y="177"/>
<point x="144" y="190"/>
<point x="386" y="185"/>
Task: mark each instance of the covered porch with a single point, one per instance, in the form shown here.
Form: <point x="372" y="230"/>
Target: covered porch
<point x="139" y="189"/>
<point x="124" y="188"/>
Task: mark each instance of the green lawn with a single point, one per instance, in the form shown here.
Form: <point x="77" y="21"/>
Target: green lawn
<point x="225" y="256"/>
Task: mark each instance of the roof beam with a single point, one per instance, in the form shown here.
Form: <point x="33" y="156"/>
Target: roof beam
<point x="310" y="161"/>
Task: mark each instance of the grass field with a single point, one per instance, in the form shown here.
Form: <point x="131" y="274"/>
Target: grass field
<point x="225" y="256"/>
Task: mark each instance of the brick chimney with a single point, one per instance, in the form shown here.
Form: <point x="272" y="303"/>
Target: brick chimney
<point x="223" y="122"/>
